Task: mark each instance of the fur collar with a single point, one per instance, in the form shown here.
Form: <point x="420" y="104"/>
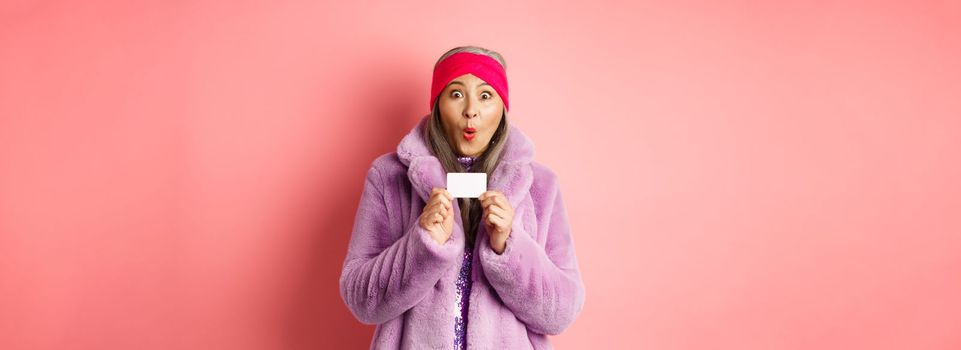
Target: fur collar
<point x="513" y="175"/>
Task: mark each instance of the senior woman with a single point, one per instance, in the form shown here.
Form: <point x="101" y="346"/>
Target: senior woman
<point x="432" y="271"/>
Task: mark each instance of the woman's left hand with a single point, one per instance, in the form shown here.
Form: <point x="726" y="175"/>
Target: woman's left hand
<point x="498" y="218"/>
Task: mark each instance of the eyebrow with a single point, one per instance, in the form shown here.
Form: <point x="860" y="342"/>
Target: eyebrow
<point x="478" y="85"/>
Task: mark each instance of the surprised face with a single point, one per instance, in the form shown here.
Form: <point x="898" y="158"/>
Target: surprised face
<point x="470" y="111"/>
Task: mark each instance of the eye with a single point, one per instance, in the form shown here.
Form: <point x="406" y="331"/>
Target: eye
<point x="486" y="95"/>
<point x="455" y="94"/>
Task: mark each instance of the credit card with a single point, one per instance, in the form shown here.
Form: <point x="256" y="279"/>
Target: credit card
<point x="466" y="185"/>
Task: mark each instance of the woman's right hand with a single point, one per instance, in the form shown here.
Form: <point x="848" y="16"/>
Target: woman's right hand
<point x="438" y="215"/>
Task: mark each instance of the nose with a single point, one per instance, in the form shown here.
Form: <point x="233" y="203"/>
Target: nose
<point x="470" y="113"/>
<point x="470" y="110"/>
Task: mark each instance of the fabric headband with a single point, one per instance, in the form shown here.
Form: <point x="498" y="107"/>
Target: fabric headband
<point x="482" y="66"/>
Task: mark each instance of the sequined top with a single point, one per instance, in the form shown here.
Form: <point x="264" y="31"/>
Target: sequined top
<point x="462" y="299"/>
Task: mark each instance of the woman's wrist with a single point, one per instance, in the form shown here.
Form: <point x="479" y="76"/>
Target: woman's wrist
<point x="498" y="244"/>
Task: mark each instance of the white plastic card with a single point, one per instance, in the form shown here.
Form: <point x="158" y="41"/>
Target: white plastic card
<point x="466" y="185"/>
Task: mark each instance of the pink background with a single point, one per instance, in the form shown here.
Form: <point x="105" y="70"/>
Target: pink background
<point x="748" y="175"/>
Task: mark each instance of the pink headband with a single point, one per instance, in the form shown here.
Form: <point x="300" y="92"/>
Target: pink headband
<point x="482" y="66"/>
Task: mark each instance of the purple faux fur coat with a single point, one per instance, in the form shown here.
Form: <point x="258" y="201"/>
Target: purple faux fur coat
<point x="397" y="277"/>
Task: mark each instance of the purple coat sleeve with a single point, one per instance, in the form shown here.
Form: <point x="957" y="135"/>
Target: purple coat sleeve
<point x="381" y="279"/>
<point x="541" y="284"/>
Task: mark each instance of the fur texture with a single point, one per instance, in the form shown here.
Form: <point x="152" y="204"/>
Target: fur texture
<point x="397" y="277"/>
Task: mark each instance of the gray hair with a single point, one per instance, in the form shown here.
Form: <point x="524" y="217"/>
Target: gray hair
<point x="474" y="49"/>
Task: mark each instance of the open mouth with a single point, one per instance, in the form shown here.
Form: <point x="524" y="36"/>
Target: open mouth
<point x="470" y="133"/>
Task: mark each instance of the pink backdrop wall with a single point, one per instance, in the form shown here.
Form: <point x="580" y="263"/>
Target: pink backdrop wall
<point x="748" y="175"/>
